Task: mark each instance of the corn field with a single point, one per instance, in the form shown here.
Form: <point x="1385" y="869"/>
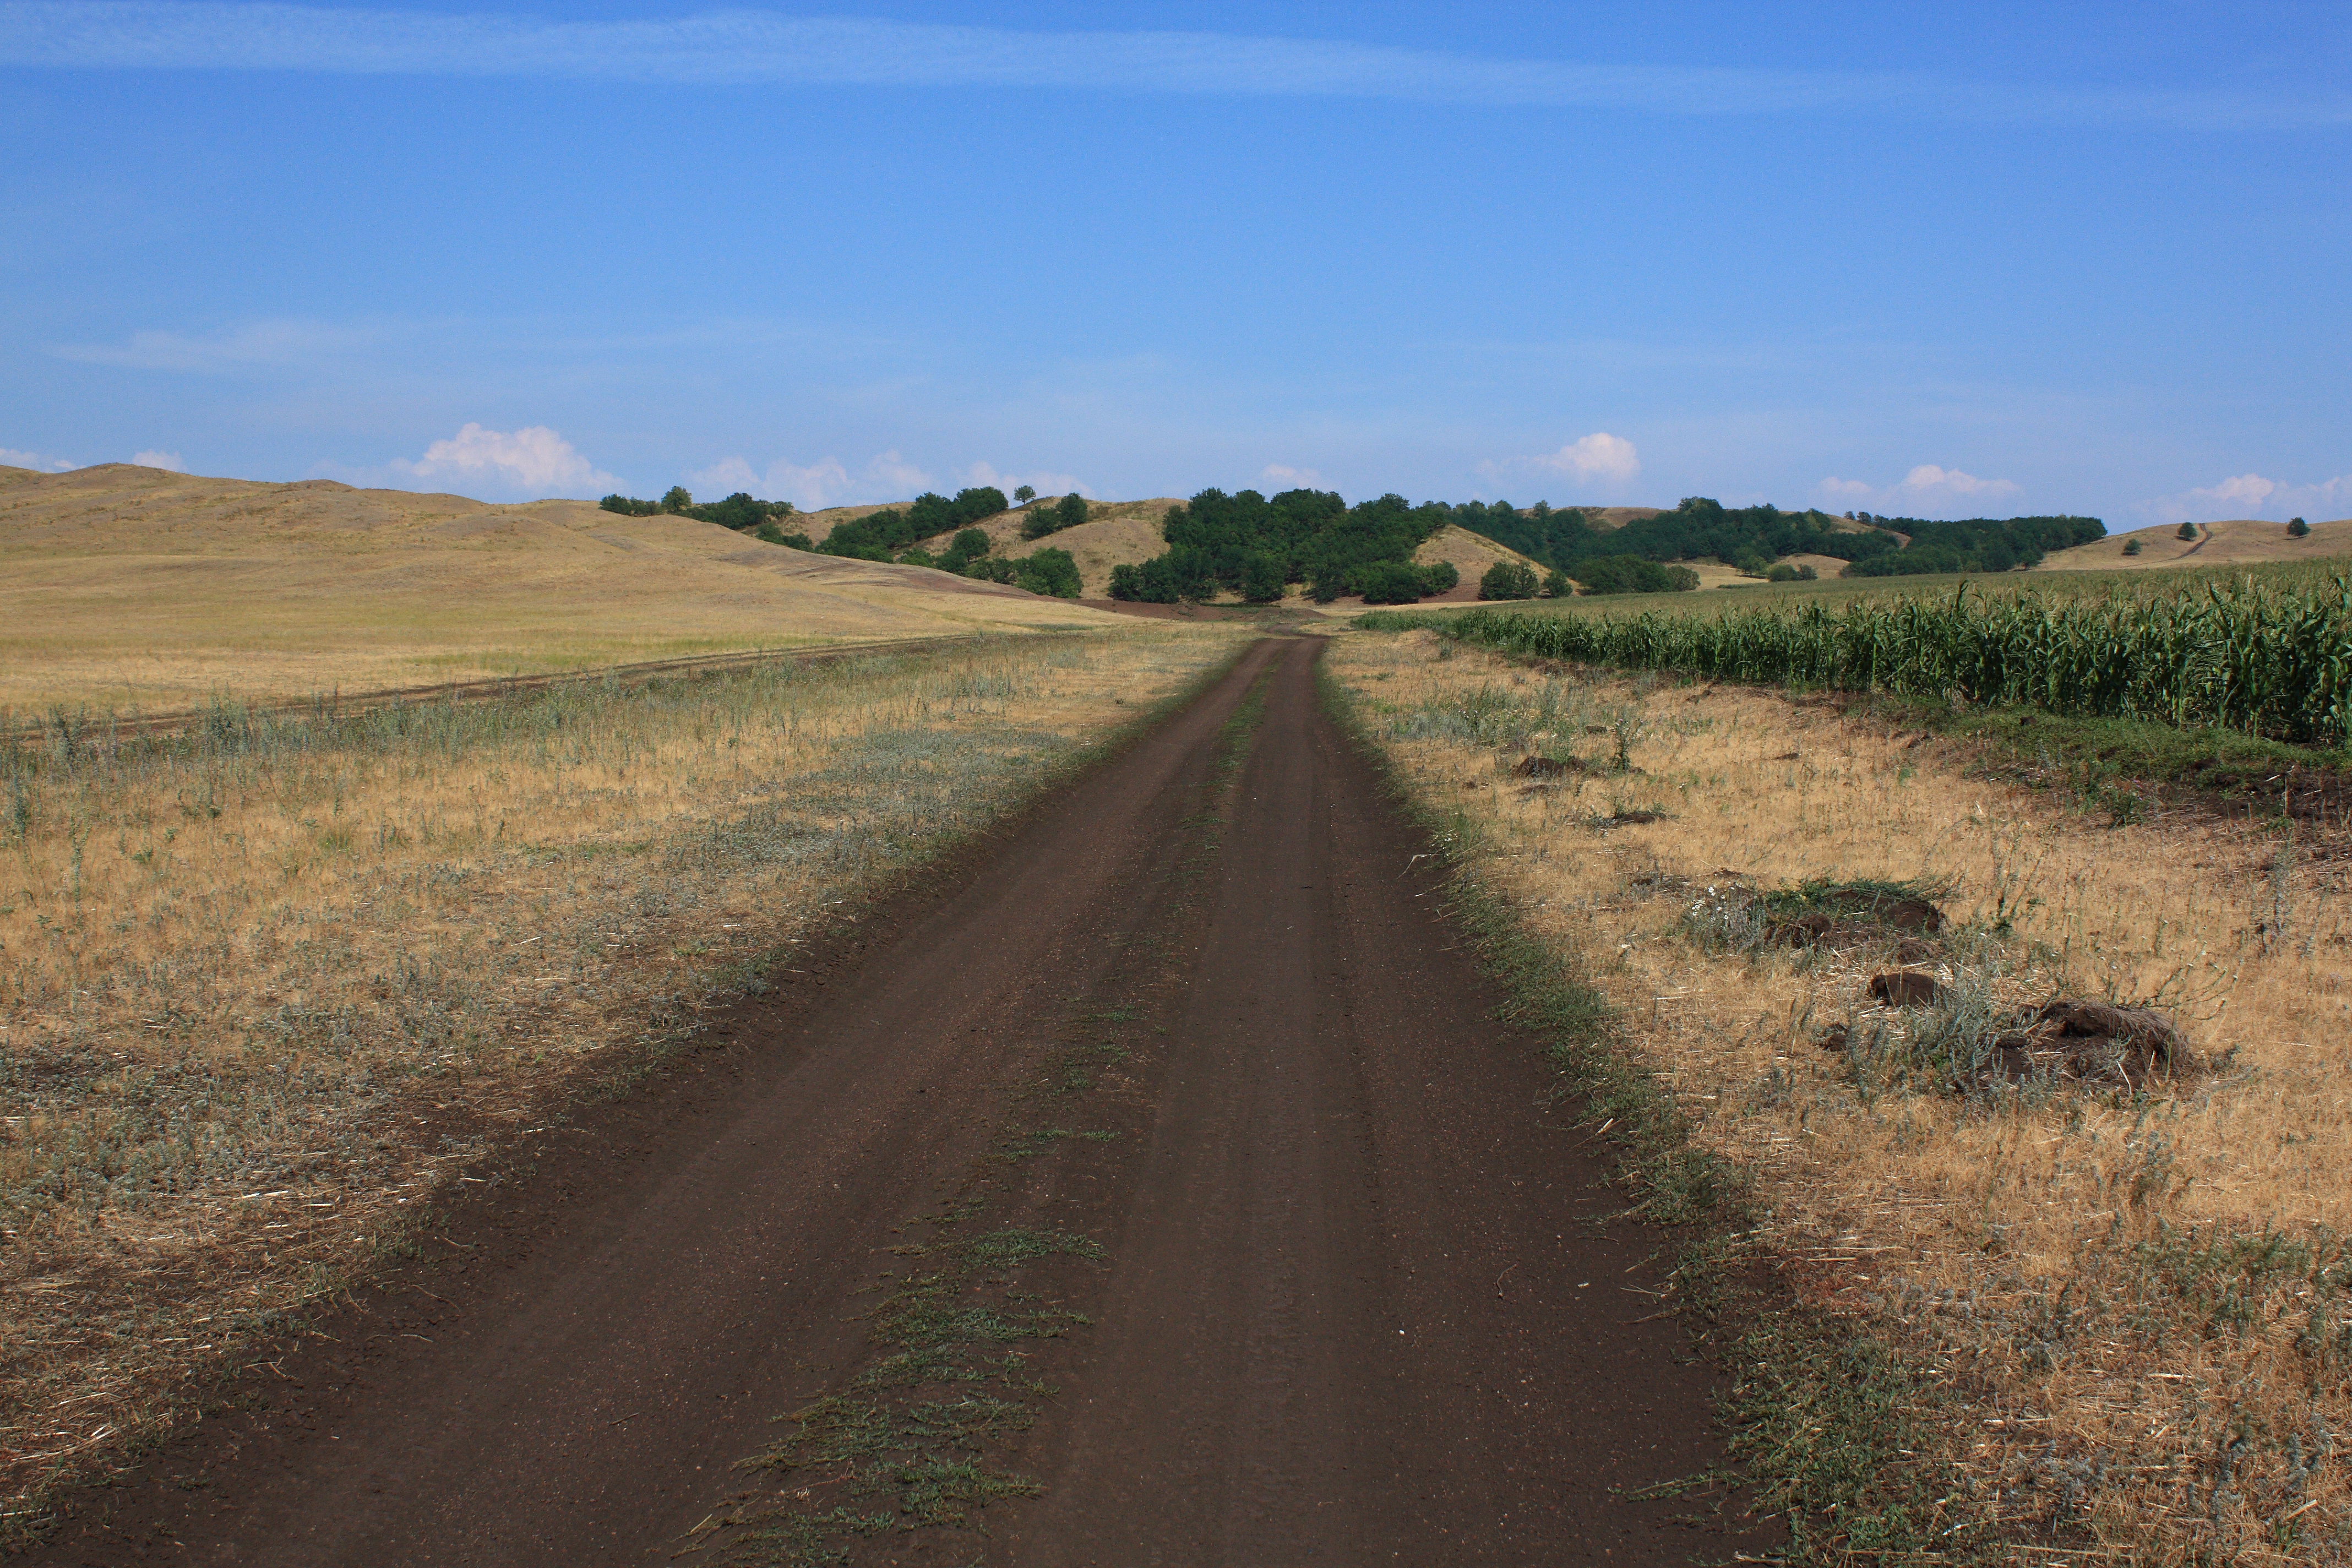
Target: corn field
<point x="2272" y="660"/>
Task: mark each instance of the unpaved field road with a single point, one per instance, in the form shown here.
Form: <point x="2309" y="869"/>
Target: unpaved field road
<point x="1161" y="1172"/>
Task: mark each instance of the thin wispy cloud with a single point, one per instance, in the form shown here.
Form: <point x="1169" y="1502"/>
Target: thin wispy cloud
<point x="255" y="344"/>
<point x="754" y="46"/>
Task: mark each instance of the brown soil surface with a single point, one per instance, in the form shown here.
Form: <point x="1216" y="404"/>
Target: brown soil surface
<point x="1360" y="1297"/>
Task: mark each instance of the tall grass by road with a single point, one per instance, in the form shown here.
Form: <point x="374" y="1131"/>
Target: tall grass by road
<point x="268" y="985"/>
<point x="2267" y="657"/>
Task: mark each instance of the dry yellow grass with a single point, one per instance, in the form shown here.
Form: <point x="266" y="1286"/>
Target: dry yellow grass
<point x="266" y="987"/>
<point x="131" y="588"/>
<point x="2138" y="1307"/>
<point x="2235" y="543"/>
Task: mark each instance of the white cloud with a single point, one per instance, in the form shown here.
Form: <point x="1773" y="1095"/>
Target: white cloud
<point x="744" y="45"/>
<point x="15" y="460"/>
<point x="824" y="483"/>
<point x="2252" y="495"/>
<point x="1597" y="457"/>
<point x="1044" y="482"/>
<point x="256" y="343"/>
<point x="168" y="462"/>
<point x="1926" y="489"/>
<point x="530" y="462"/>
<point x="1288" y="478"/>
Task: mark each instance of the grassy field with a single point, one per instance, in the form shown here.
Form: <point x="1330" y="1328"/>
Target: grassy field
<point x="2117" y="1309"/>
<point x="268" y="987"/>
<point x="130" y="589"/>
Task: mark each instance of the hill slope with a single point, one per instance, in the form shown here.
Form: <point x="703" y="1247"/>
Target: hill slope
<point x="2236" y="541"/>
<point x="129" y="586"/>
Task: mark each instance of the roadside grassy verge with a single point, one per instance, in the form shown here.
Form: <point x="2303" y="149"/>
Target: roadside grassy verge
<point x="2000" y="1315"/>
<point x="271" y="988"/>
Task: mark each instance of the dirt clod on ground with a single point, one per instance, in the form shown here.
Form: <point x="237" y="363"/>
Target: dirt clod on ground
<point x="1905" y="988"/>
<point x="2093" y="1042"/>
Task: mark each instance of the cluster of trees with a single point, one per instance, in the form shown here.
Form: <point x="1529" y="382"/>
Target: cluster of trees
<point x="1516" y="580"/>
<point x="1256" y="547"/>
<point x="1067" y="512"/>
<point x="1632" y="574"/>
<point x="741" y="511"/>
<point x="880" y="535"/>
<point x="1977" y="544"/>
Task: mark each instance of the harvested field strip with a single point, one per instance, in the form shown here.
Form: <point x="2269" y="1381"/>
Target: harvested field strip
<point x="2108" y="1313"/>
<point x="68" y="728"/>
<point x="2244" y="655"/>
<point x="267" y="988"/>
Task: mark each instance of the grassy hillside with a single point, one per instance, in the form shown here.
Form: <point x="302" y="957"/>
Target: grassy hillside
<point x="125" y="586"/>
<point x="2235" y="543"/>
<point x="1114" y="533"/>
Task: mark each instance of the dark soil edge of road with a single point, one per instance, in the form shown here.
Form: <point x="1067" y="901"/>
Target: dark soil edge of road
<point x="333" y="1378"/>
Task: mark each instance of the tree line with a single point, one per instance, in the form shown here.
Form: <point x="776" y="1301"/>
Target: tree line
<point x="1752" y="538"/>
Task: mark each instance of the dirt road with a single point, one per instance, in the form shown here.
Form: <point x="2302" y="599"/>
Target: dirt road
<point x="1158" y="1189"/>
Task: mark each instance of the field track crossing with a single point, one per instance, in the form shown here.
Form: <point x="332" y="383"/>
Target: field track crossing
<point x="1348" y="1291"/>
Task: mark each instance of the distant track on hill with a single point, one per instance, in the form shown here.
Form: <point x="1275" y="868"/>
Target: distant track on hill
<point x="341" y="704"/>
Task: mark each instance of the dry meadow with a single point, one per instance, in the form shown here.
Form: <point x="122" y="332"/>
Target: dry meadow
<point x="2130" y="1296"/>
<point x="268" y="988"/>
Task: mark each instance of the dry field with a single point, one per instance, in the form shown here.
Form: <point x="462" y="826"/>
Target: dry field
<point x="2134" y="1300"/>
<point x="268" y="988"/>
<point x="131" y="588"/>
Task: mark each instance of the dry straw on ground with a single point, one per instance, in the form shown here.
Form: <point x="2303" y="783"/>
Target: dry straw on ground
<point x="2136" y="1302"/>
<point x="267" y="989"/>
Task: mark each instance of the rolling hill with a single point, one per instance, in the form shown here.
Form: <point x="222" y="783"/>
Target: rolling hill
<point x="2235" y="541"/>
<point x="132" y="587"/>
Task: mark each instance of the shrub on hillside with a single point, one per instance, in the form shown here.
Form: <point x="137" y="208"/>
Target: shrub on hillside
<point x="2297" y="529"/>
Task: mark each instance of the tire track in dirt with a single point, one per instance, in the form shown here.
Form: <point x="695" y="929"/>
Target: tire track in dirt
<point x="1356" y="1301"/>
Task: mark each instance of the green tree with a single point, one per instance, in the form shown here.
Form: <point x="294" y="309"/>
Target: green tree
<point x="2187" y="531"/>
<point x="968" y="546"/>
<point x="1071" y="511"/>
<point x="676" y="500"/>
<point x="1025" y="494"/>
<point x="1508" y="580"/>
<point x="1261" y="578"/>
<point x="1556" y="583"/>
<point x="2131" y="547"/>
<point x="2297" y="529"/>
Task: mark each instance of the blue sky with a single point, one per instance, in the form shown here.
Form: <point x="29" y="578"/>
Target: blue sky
<point x="1928" y="260"/>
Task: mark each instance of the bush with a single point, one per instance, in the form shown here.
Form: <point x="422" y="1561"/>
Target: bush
<point x="1508" y="580"/>
<point x="1052" y="573"/>
<point x="1781" y="572"/>
<point x="1557" y="585"/>
<point x="2297" y="529"/>
<point x="2187" y="531"/>
<point x="676" y="499"/>
<point x="1071" y="511"/>
<point x="2131" y="547"/>
<point x="629" y="506"/>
